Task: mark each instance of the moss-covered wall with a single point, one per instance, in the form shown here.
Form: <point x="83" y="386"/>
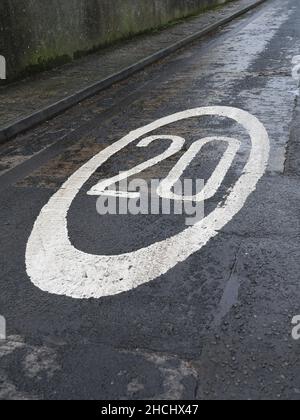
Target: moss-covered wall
<point x="39" y="33"/>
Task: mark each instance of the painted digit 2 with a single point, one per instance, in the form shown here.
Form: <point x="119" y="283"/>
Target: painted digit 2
<point x="55" y="266"/>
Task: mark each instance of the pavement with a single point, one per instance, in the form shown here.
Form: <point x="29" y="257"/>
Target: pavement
<point x="141" y="307"/>
<point x="36" y="99"/>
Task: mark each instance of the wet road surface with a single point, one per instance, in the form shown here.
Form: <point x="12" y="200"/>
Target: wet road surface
<point x="205" y="316"/>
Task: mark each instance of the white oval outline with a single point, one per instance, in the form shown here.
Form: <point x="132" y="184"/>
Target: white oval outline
<point x="55" y="266"/>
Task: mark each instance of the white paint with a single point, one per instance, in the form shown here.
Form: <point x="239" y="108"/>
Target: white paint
<point x="215" y="181"/>
<point x="165" y="188"/>
<point x="296" y="68"/>
<point x="55" y="266"/>
<point x="2" y="68"/>
<point x="296" y="329"/>
<point x="296" y="72"/>
<point x="2" y="328"/>
<point x="296" y="59"/>
<point x="176" y="146"/>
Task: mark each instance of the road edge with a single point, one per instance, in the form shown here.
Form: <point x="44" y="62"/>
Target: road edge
<point x="51" y="111"/>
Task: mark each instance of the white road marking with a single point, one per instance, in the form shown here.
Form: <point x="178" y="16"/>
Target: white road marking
<point x="176" y="146"/>
<point x="216" y="179"/>
<point x="296" y="72"/>
<point x="56" y="266"/>
<point x="296" y="68"/>
<point x="296" y="59"/>
<point x="165" y="188"/>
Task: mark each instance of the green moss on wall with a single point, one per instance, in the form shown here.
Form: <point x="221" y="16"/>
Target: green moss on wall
<point x="38" y="34"/>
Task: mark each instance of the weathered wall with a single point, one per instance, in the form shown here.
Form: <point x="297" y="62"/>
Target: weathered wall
<point x="39" y="33"/>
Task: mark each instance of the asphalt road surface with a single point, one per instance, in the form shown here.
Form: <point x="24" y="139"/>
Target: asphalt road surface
<point x="144" y="306"/>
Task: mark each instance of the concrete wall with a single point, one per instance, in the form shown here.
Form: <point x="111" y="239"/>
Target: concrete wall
<point x="35" y="34"/>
